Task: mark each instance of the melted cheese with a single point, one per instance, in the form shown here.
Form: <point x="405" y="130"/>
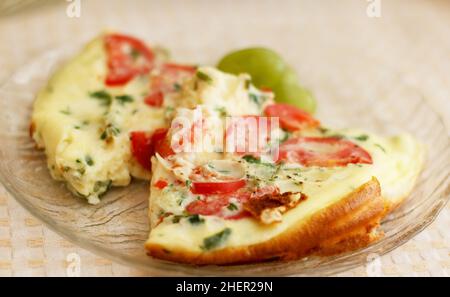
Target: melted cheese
<point x="396" y="164"/>
<point x="222" y="91"/>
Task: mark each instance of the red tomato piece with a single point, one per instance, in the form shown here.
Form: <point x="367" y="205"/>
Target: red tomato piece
<point x="161" y="184"/>
<point x="161" y="143"/>
<point x="144" y="144"/>
<point x="142" y="148"/>
<point x="170" y="77"/>
<point x="209" y="206"/>
<point x="323" y="152"/>
<point x="291" y="118"/>
<point x="222" y="187"/>
<point x="168" y="80"/>
<point x="178" y="68"/>
<point x="127" y="57"/>
<point x="155" y="99"/>
<point x="214" y="204"/>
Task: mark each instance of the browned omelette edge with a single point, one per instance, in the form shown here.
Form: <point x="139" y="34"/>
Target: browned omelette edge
<point x="346" y="225"/>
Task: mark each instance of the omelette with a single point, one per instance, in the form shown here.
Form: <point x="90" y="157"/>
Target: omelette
<point x="235" y="177"/>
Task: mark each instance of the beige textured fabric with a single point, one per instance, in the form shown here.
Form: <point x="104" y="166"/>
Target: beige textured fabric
<point x="410" y="37"/>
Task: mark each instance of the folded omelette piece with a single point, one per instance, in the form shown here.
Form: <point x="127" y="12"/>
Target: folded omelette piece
<point x="117" y="88"/>
<point x="324" y="192"/>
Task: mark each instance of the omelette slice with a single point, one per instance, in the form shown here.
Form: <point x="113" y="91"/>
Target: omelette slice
<point x="117" y="88"/>
<point x="323" y="192"/>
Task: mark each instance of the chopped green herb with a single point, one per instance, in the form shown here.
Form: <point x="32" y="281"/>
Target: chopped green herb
<point x="323" y="130"/>
<point x="380" y="147"/>
<point x="176" y="219"/>
<point x="102" y="186"/>
<point x="177" y="87"/>
<point x="251" y="159"/>
<point x="77" y="127"/>
<point x="362" y="137"/>
<point x="103" y="96"/>
<point x="216" y="240"/>
<point x="89" y="160"/>
<point x="109" y="132"/>
<point x="168" y="112"/>
<point x="339" y="136"/>
<point x="135" y="54"/>
<point x="188" y="183"/>
<point x="232" y="206"/>
<point x="222" y="111"/>
<point x="205" y="77"/>
<point x="81" y="170"/>
<point x="285" y="136"/>
<point x="124" y="99"/>
<point x="181" y="199"/>
<point x="196" y="219"/>
<point x="66" y="111"/>
<point x="255" y="98"/>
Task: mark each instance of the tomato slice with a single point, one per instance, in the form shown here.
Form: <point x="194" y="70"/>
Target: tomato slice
<point x="161" y="184"/>
<point x="208" y="206"/>
<point x="212" y="188"/>
<point x="169" y="79"/>
<point x="161" y="143"/>
<point x="155" y="99"/>
<point x="145" y="144"/>
<point x="323" y="152"/>
<point x="291" y="117"/>
<point x="127" y="57"/>
<point x="214" y="204"/>
<point x="142" y="148"/>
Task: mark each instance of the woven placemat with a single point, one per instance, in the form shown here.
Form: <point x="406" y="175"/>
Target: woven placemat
<point x="411" y="37"/>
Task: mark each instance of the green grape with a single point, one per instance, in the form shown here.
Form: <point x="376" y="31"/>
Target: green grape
<point x="289" y="91"/>
<point x="268" y="69"/>
<point x="265" y="66"/>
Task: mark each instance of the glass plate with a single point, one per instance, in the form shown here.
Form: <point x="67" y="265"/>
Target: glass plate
<point x="117" y="227"/>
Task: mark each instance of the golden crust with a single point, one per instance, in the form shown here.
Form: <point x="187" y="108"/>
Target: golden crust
<point x="348" y="224"/>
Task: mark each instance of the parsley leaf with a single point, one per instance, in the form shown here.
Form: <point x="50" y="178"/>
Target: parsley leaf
<point x="89" y="160"/>
<point x="362" y="137"/>
<point x="232" y="206"/>
<point x="205" y="77"/>
<point x="103" y="96"/>
<point x="124" y="99"/>
<point x="216" y="240"/>
<point x="196" y="219"/>
<point x="251" y="159"/>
